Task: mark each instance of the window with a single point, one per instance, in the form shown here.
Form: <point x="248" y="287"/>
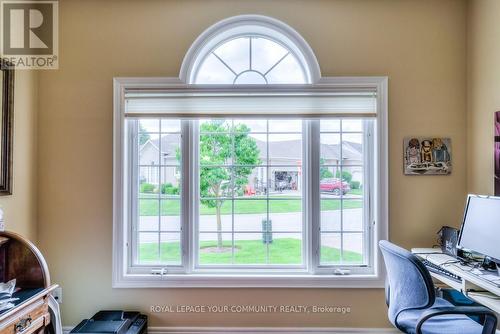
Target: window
<point x="250" y="60"/>
<point x="344" y="212"/>
<point x="158" y="207"/>
<point x="250" y="188"/>
<point x="239" y="185"/>
<point x="250" y="49"/>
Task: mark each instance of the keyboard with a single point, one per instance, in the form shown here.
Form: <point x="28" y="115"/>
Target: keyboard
<point x="486" y="276"/>
<point x="441" y="271"/>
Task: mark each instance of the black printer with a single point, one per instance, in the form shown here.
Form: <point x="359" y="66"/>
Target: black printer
<point x="115" y="322"/>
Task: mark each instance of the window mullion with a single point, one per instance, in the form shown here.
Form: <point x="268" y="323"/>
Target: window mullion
<point x="233" y="159"/>
<point x="313" y="197"/>
<point x="268" y="185"/>
<point x="368" y="170"/>
<point x="159" y="191"/>
<point x="133" y="212"/>
<point x="188" y="204"/>
<point x="341" y="180"/>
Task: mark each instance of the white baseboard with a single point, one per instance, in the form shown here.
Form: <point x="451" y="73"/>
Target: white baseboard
<point x="264" y="330"/>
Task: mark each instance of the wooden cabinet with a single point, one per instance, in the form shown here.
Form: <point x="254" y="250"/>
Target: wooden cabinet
<point x="21" y="260"/>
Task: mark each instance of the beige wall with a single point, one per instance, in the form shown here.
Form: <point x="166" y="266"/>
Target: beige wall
<point x="483" y="94"/>
<point x="419" y="44"/>
<point x="20" y="207"/>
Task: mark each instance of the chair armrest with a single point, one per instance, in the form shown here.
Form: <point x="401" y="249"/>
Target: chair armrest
<point x="490" y="322"/>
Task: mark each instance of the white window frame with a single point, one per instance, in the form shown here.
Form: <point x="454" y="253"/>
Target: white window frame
<point x="126" y="277"/>
<point x="254" y="25"/>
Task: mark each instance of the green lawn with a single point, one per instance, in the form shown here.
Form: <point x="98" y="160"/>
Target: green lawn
<point x="281" y="251"/>
<point x="356" y="192"/>
<point x="171" y="207"/>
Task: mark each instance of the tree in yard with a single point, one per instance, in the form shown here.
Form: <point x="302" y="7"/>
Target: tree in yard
<point x="346" y="176"/>
<point x="143" y="136"/>
<point x="324" y="172"/>
<point x="220" y="145"/>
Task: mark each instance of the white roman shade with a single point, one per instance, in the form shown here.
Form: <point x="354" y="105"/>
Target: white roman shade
<point x="198" y="103"/>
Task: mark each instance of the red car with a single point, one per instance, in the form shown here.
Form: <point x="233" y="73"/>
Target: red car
<point x="334" y="186"/>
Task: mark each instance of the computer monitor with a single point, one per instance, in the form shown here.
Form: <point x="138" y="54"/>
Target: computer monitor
<point x="480" y="230"/>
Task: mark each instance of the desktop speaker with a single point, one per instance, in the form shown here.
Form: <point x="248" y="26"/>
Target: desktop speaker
<point x="448" y="239"/>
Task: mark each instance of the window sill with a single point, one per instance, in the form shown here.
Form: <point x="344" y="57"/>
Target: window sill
<point x="248" y="281"/>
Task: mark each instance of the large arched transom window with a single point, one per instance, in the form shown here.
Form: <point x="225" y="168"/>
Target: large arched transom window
<point x="250" y="60"/>
<point x="250" y="49"/>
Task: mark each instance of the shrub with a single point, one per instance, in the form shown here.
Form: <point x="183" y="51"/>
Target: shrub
<point x="325" y="173"/>
<point x="169" y="189"/>
<point x="346" y="176"/>
<point x="147" y="187"/>
<point x="355" y="184"/>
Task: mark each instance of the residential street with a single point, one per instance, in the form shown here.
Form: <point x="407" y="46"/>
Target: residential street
<point x="281" y="222"/>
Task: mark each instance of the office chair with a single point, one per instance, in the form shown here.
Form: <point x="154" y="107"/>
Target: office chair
<point x="413" y="305"/>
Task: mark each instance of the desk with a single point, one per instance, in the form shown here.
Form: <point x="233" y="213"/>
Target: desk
<point x="32" y="313"/>
<point x="21" y="260"/>
<point x="470" y="282"/>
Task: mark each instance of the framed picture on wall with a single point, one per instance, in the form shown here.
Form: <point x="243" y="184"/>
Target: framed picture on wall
<point x="6" y="126"/>
<point x="427" y="156"/>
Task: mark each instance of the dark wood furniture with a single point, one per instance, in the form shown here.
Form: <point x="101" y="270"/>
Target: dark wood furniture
<point x="20" y="259"/>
